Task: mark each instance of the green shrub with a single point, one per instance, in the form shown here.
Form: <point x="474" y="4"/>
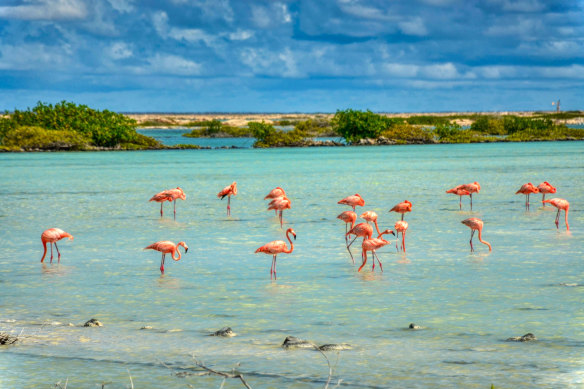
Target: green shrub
<point x="28" y="137"/>
<point x="406" y="133"/>
<point x="268" y="136"/>
<point x="316" y="127"/>
<point x="355" y="125"/>
<point x="428" y="120"/>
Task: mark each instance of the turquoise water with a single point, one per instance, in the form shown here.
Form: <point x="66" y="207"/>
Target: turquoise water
<point x="469" y="303"/>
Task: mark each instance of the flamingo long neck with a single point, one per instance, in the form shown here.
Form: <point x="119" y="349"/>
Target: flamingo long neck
<point x="567" y="226"/>
<point x="44" y="252"/>
<point x="291" y="244"/>
<point x="484" y="241"/>
<point x="377" y="227"/>
<point x="176" y="250"/>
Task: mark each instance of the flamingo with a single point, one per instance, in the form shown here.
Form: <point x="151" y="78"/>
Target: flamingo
<point x="402" y="208"/>
<point x="353" y="201"/>
<point x="545" y="187"/>
<point x="372" y="245"/>
<point x="527" y="189"/>
<point x="230" y="190"/>
<point x="167" y="247"/>
<point x="276" y="247"/>
<point x="274" y="193"/>
<point x="169" y="195"/>
<point x="348" y="217"/>
<point x="401" y="226"/>
<point x="371" y="216"/>
<point x="473" y="187"/>
<point x="459" y="191"/>
<point x="362" y="229"/>
<point x="280" y="204"/>
<point x="475" y="224"/>
<point x="53" y="235"/>
<point x="560" y="204"/>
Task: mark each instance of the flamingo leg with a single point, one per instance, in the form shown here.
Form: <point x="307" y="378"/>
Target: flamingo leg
<point x="275" y="276"/>
<point x="352" y="241"/>
<point x="162" y="263"/>
<point x="404" y="241"/>
<point x="460" y="202"/>
<point x="51" y="252"/>
<point x="542" y="199"/>
<point x="228" y="207"/>
<point x="161" y="213"/>
<point x="471" y="235"/>
<point x="272" y="268"/>
<point x="558" y="219"/>
<point x="403" y="216"/>
<point x="396" y="236"/>
<point x="378" y="261"/>
<point x="471" y="201"/>
<point x="364" y="257"/>
<point x="174" y="209"/>
<point x="281" y="219"/>
<point x="59" y="254"/>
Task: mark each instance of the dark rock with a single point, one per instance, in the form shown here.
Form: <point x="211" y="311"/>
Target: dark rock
<point x="413" y="326"/>
<point x="93" y="323"/>
<point x="294" y="342"/>
<point x="226" y="332"/>
<point x="335" y="347"/>
<point x="146" y="328"/>
<point x="6" y="338"/>
<point x="525" y="338"/>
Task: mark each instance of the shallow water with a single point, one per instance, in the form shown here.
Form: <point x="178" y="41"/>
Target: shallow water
<point x="469" y="303"/>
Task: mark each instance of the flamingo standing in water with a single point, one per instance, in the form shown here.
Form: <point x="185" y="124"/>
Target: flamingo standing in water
<point x="401" y="226"/>
<point x="402" y="208"/>
<point x="280" y="204"/>
<point x="459" y="191"/>
<point x="471" y="188"/>
<point x="276" y="247"/>
<point x="475" y="224"/>
<point x="349" y="217"/>
<point x="360" y="230"/>
<point x="275" y="193"/>
<point x="545" y="187"/>
<point x="169" y="195"/>
<point x="371" y="216"/>
<point x="230" y="190"/>
<point x="527" y="189"/>
<point x="372" y="245"/>
<point x="167" y="247"/>
<point x="559" y="204"/>
<point x="53" y="235"/>
<point x="353" y="201"/>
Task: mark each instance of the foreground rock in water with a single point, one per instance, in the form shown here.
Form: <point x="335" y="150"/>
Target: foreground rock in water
<point x="413" y="326"/>
<point x="294" y="342"/>
<point x="335" y="347"/>
<point x="525" y="338"/>
<point x="93" y="323"/>
<point x="6" y="338"/>
<point x="226" y="332"/>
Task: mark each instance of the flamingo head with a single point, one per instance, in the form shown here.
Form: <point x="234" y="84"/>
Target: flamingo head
<point x="183" y="244"/>
<point x="388" y="231"/>
<point x="478" y="186"/>
<point x="291" y="231"/>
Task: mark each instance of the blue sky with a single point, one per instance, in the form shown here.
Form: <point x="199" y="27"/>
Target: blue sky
<point x="293" y="56"/>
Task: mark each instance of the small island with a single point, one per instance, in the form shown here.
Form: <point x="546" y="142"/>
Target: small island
<point x="67" y="126"/>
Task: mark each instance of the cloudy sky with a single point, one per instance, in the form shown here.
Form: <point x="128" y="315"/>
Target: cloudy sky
<point x="293" y="56"/>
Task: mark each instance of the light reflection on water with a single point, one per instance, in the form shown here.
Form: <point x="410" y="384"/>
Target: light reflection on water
<point x="469" y="303"/>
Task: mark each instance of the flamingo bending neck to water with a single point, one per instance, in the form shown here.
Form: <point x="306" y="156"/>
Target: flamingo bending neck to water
<point x="275" y="193"/>
<point x="560" y="204"/>
<point x="362" y="229"/>
<point x="276" y="247"/>
<point x="545" y="187"/>
<point x="371" y="216"/>
<point x="475" y="224"/>
<point x="230" y="190"/>
<point x="167" y="247"/>
<point x="53" y="235"/>
<point x="401" y="226"/>
<point x="280" y="204"/>
<point x="349" y="217"/>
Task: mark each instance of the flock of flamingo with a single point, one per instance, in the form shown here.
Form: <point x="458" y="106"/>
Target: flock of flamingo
<point x="279" y="202"/>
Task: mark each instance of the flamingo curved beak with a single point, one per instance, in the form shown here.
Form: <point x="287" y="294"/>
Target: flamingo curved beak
<point x="186" y="250"/>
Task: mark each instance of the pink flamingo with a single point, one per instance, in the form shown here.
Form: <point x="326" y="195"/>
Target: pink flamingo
<point x="228" y="191"/>
<point x="527" y="189"/>
<point x="545" y="187"/>
<point x="372" y="245"/>
<point x="459" y="192"/>
<point x="353" y="201"/>
<point x="280" y="204"/>
<point x="348" y="217"/>
<point x="475" y="224"/>
<point x="360" y="230"/>
<point x="402" y="208"/>
<point x="560" y="204"/>
<point x="167" y="247"/>
<point x="275" y="193"/>
<point x="371" y="216"/>
<point x="276" y="247"/>
<point x="169" y="195"/>
<point x="53" y="235"/>
<point x="401" y="226"/>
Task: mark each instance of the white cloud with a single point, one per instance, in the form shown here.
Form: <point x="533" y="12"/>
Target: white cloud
<point x="241" y="35"/>
<point x="46" y="10"/>
<point x="173" y="65"/>
<point x="31" y="57"/>
<point x="265" y="62"/>
<point x="413" y="26"/>
<point x="521" y="28"/>
<point x="123" y="6"/>
<point x="193" y="35"/>
<point x="119" y="50"/>
<point x="401" y="70"/>
<point x="441" y="71"/>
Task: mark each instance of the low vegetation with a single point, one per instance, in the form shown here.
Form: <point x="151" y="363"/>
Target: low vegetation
<point x="67" y="126"/>
<point x="216" y="129"/>
<point x="268" y="136"/>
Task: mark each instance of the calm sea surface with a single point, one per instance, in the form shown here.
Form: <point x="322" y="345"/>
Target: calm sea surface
<point x="468" y="303"/>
